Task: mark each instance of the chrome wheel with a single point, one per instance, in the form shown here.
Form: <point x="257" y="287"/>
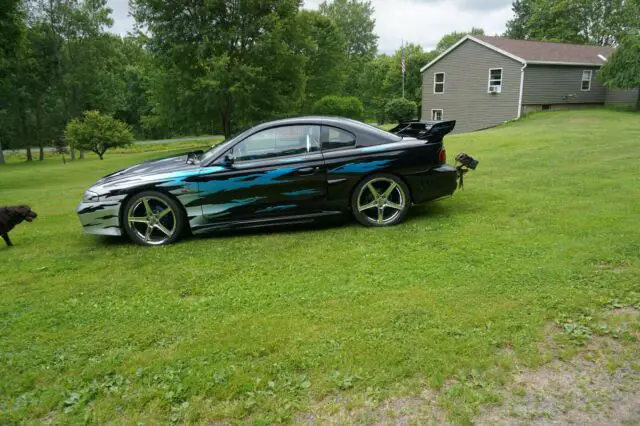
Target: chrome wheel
<point x="381" y="201"/>
<point x="152" y="220"/>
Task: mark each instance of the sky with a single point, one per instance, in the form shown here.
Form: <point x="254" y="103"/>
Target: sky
<point x="421" y="22"/>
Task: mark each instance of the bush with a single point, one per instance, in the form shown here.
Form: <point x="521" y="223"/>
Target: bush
<point x="400" y="110"/>
<point x="347" y="106"/>
<point x="97" y="132"/>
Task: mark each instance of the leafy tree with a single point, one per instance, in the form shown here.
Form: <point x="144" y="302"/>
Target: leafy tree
<point x="599" y="22"/>
<point x="452" y="38"/>
<point x="11" y="36"/>
<point x="554" y="20"/>
<point x="65" y="65"/>
<point x="349" y="107"/>
<point x="234" y="59"/>
<point x="97" y="132"/>
<point x="323" y="46"/>
<point x="355" y="20"/>
<point x="26" y="91"/>
<point x="622" y="70"/>
<point x="372" y="90"/>
<point x="37" y="81"/>
<point x="11" y="28"/>
<point x="135" y="73"/>
<point x="400" y="110"/>
<point x="518" y="27"/>
<point x="415" y="59"/>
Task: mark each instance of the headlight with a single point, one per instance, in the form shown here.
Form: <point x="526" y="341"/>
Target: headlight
<point x="90" y="197"/>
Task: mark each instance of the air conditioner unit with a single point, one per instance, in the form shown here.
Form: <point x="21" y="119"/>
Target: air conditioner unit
<point x="495" y="89"/>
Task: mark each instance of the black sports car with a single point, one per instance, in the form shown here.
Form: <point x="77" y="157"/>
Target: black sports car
<point x="289" y="171"/>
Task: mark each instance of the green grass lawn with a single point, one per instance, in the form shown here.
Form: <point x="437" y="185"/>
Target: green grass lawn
<point x="258" y="327"/>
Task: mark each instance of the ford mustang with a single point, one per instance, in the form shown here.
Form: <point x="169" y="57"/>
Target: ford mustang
<point x="283" y="172"/>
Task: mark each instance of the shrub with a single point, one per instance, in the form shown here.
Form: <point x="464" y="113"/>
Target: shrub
<point x="400" y="109"/>
<point x="347" y="106"/>
<point x="97" y="132"/>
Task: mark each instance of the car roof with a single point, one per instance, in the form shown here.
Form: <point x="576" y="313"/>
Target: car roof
<point x="366" y="135"/>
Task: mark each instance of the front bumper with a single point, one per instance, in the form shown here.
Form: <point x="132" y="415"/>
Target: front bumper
<point x="100" y="218"/>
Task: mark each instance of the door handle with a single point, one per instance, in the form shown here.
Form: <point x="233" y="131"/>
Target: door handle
<point x="308" y="171"/>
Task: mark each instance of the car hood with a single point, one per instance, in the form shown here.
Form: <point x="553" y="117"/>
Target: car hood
<point x="165" y="165"/>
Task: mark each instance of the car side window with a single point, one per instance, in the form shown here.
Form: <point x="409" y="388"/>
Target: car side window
<point x="333" y="138"/>
<point x="278" y="142"/>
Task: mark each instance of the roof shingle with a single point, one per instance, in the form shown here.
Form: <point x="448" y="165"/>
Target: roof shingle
<point x="539" y="51"/>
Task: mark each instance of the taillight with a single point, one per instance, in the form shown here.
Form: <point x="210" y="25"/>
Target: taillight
<point x="442" y="157"/>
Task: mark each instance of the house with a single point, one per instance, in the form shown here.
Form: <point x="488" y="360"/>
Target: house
<point x="483" y="81"/>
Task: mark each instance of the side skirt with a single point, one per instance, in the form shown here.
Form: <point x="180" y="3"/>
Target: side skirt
<point x="261" y="223"/>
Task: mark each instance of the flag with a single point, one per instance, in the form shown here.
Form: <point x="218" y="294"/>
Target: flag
<point x="404" y="66"/>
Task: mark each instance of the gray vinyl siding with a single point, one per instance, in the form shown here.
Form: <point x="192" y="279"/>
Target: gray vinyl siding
<point x="466" y="98"/>
<point x="622" y="98"/>
<point x="556" y="84"/>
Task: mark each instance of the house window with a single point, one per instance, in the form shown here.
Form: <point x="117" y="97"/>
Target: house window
<point x="586" y="80"/>
<point x="436" y="114"/>
<point x="438" y="82"/>
<point x="495" y="80"/>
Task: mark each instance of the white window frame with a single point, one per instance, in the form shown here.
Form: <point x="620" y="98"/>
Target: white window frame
<point x="501" y="80"/>
<point x="441" y="114"/>
<point x="444" y="79"/>
<point x="583" y="80"/>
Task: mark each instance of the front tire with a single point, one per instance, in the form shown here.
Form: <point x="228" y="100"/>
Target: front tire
<point x="381" y="200"/>
<point x="152" y="218"/>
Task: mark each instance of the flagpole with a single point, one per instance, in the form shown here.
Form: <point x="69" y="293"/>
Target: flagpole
<point x="403" y="68"/>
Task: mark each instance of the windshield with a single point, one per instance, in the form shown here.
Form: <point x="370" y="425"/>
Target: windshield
<point x="218" y="149"/>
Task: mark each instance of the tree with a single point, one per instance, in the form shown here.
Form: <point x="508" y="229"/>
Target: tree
<point x="136" y="73"/>
<point x="323" y="46"/>
<point x="400" y="110"/>
<point x="97" y="132"/>
<point x="622" y="70"/>
<point x="371" y="86"/>
<point x="355" y="20"/>
<point x="11" y="28"/>
<point x="12" y="35"/>
<point x="234" y="59"/>
<point x="349" y="107"/>
<point x="517" y="27"/>
<point x="559" y="21"/>
<point x="599" y="22"/>
<point x="37" y="79"/>
<point x="415" y="59"/>
<point x="65" y="64"/>
<point x="452" y="38"/>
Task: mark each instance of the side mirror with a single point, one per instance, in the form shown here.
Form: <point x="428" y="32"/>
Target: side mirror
<point x="228" y="160"/>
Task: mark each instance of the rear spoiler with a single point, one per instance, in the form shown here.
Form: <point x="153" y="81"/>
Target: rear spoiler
<point x="432" y="130"/>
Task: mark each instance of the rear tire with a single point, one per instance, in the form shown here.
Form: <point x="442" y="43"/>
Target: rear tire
<point x="152" y="219"/>
<point x="381" y="200"/>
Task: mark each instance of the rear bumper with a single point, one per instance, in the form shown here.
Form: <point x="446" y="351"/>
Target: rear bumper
<point x="439" y="182"/>
<point x="100" y="218"/>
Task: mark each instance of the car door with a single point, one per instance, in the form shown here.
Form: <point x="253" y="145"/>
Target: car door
<point x="274" y="173"/>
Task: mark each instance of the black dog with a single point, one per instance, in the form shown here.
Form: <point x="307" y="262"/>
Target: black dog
<point x="12" y="216"/>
